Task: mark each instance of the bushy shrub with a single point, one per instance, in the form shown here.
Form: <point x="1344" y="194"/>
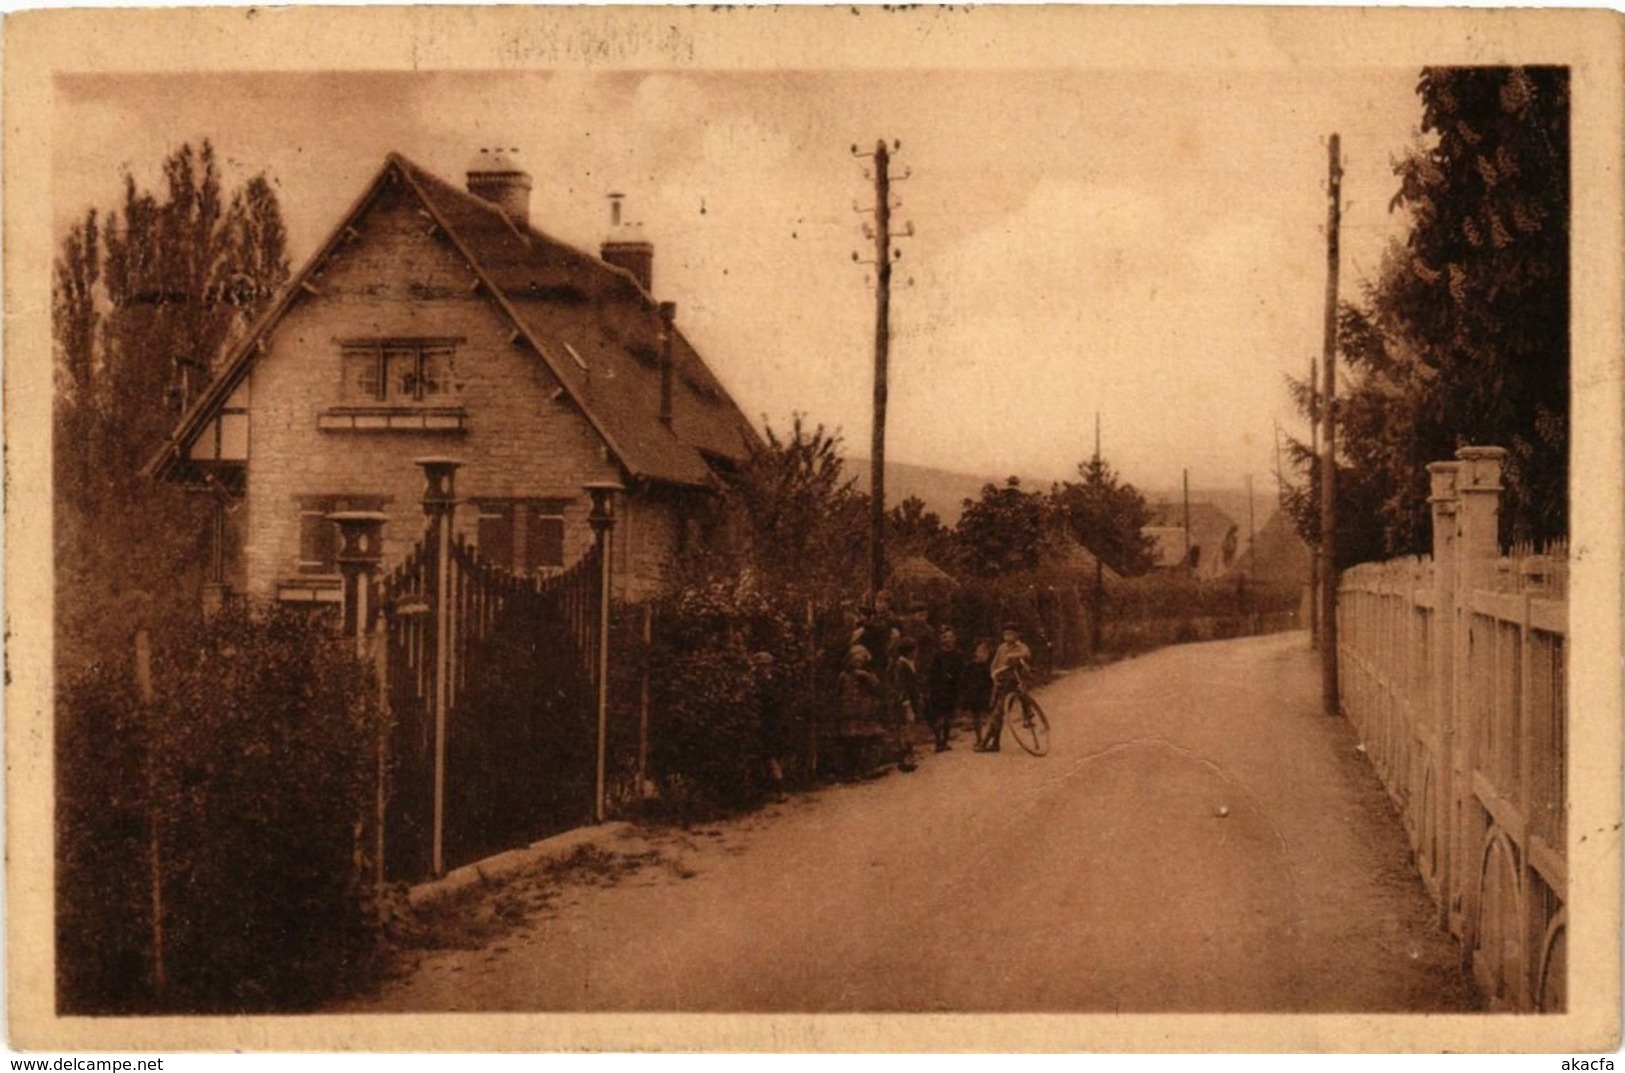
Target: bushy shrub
<point x="1136" y="614"/>
<point x="1160" y="609"/>
<point x="730" y="687"/>
<point x="240" y="797"/>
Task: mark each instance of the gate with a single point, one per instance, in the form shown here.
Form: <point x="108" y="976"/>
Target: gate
<point x="517" y="668"/>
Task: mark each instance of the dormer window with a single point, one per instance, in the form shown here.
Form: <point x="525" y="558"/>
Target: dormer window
<point x="399" y="372"/>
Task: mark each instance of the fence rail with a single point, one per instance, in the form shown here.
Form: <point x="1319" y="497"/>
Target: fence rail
<point x="1453" y="669"/>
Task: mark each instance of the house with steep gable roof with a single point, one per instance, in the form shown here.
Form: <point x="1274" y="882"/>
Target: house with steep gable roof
<point x="1199" y="538"/>
<point x="436" y="321"/>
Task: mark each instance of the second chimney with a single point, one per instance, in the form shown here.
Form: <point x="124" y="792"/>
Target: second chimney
<point x="626" y="249"/>
<point x="494" y="176"/>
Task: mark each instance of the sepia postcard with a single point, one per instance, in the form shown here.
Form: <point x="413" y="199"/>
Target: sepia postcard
<point x="813" y="529"/>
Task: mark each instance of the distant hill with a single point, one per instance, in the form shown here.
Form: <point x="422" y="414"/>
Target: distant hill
<point x="943" y="491"/>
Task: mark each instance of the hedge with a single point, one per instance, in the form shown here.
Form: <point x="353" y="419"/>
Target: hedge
<point x="237" y="801"/>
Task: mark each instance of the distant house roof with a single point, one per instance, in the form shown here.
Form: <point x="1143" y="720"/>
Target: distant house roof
<point x="1205" y="518"/>
<point x="1278" y="553"/>
<point x="1168" y="544"/>
<point x="1070" y="554"/>
<point x="589" y="322"/>
<point x="1212" y="532"/>
<point x="918" y="570"/>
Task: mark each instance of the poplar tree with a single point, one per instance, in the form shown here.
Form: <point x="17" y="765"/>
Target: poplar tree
<point x="146" y="302"/>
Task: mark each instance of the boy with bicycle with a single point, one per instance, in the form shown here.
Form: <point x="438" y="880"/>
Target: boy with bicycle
<point x="1009" y="661"/>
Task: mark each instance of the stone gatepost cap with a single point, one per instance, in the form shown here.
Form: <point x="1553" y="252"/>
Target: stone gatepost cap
<point x="1442" y="481"/>
<point x="358" y="516"/>
<point x="439" y="460"/>
<point x="1480" y="468"/>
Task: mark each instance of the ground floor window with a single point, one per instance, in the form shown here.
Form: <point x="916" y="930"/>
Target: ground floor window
<point x="318" y="537"/>
<point x="522" y="535"/>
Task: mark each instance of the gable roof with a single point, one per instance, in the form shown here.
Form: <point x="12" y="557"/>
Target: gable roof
<point x="919" y="570"/>
<point x="1206" y="518"/>
<point x="590" y="323"/>
<point x="1072" y="555"/>
<point x="1168" y="544"/>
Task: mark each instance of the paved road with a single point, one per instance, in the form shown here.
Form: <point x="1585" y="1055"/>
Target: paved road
<point x="1101" y="878"/>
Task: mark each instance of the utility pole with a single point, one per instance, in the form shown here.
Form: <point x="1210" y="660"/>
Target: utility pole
<point x="1185" y="475"/>
<point x="1252" y="532"/>
<point x="1280" y="474"/>
<point x="1314" y="451"/>
<point x="884" y="255"/>
<point x="1328" y="460"/>
<point x="1098" y="598"/>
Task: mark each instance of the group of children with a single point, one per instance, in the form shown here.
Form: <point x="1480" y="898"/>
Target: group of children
<point x="923" y="673"/>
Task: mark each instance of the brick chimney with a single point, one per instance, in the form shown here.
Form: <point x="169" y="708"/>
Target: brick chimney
<point x="495" y="176"/>
<point x="627" y="249"/>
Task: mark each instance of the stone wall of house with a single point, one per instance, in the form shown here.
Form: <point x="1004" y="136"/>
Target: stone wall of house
<point x="394" y="278"/>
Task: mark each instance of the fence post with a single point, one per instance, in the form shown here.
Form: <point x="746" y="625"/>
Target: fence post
<point x="1448" y="783"/>
<point x="439" y="504"/>
<point x="155" y="861"/>
<point x="814" y="703"/>
<point x="647" y="637"/>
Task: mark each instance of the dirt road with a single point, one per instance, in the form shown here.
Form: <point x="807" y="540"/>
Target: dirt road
<point x="1201" y="838"/>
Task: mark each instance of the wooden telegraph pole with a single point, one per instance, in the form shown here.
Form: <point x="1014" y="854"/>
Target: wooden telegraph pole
<point x="884" y="255"/>
<point x="1328" y="458"/>
<point x="1185" y="478"/>
<point x="877" y="481"/>
<point x="1314" y="451"/>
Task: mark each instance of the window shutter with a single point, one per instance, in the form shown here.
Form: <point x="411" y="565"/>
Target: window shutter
<point x="318" y="537"/>
<point x="494" y="536"/>
<point x="544" y="538"/>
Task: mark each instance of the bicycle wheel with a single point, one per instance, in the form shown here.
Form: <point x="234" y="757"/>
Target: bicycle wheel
<point x="1026" y="722"/>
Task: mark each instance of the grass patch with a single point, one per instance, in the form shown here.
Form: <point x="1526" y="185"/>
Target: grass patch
<point x="479" y="915"/>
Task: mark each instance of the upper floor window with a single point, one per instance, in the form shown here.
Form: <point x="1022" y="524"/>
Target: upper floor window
<point x="400" y="372"/>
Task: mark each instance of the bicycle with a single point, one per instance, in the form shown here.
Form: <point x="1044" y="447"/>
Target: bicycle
<point x="1023" y="718"/>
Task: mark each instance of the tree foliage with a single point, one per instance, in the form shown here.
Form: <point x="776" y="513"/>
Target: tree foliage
<point x="1463" y="339"/>
<point x="1108" y="516"/>
<point x="795" y="515"/>
<point x="145" y="302"/>
<point x="911" y="529"/>
<point x="1004" y="531"/>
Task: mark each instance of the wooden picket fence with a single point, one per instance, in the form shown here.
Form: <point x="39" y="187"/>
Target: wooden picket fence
<point x="1453" y="668"/>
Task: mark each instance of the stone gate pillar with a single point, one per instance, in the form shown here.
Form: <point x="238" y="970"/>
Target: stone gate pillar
<point x="1477" y="551"/>
<point x="361" y="550"/>
<point x="440" y="506"/>
<point x="602" y="520"/>
<point x="1448" y="784"/>
<point x="1478" y="485"/>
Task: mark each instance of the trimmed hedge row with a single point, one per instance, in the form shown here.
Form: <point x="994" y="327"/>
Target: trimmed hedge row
<point x="218" y="830"/>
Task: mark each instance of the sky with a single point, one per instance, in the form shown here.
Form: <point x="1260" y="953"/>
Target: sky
<point x="1148" y="246"/>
